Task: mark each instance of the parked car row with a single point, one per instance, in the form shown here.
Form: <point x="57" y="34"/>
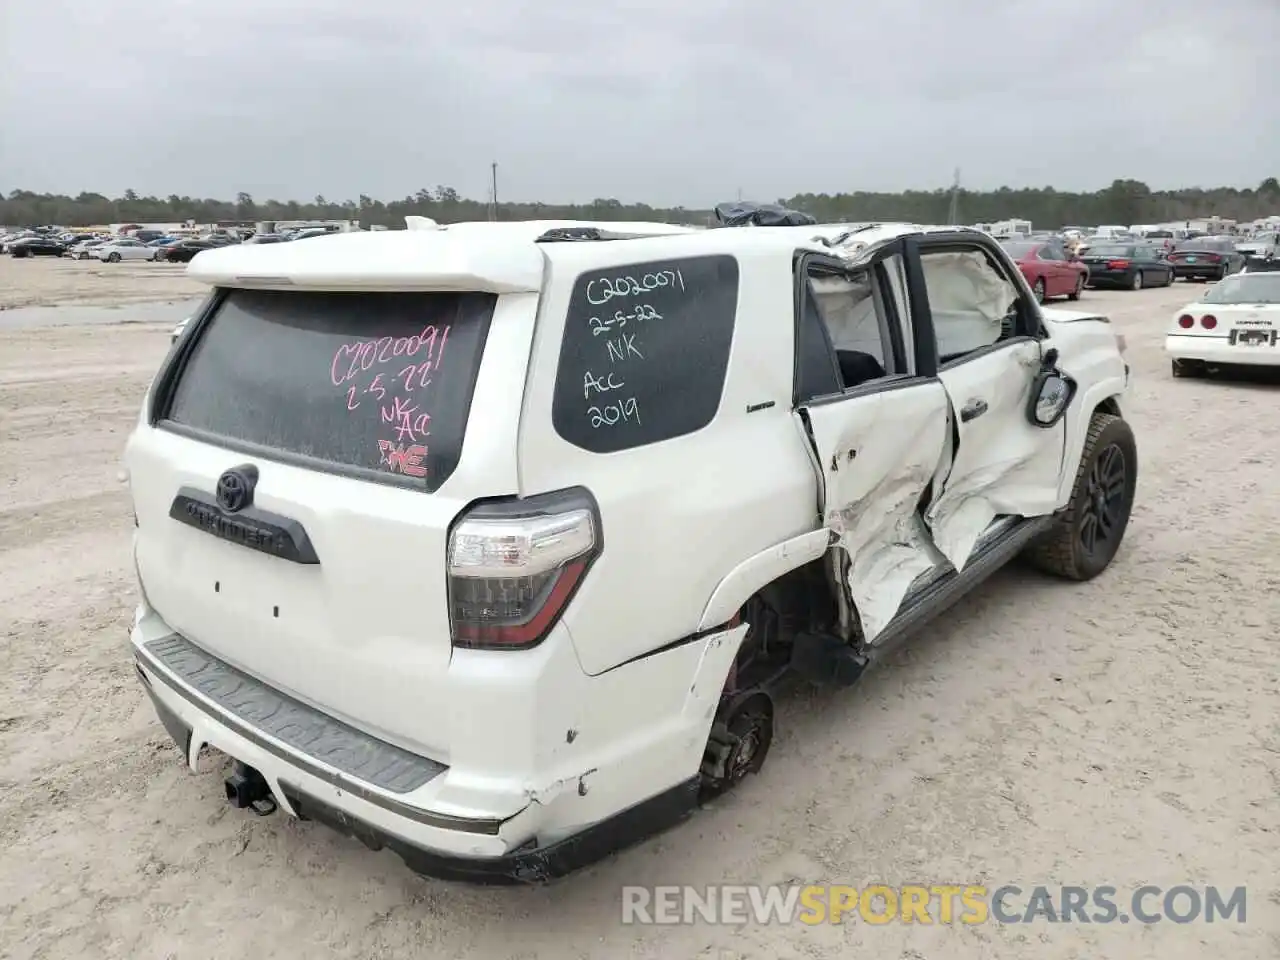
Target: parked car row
<point x="141" y="245"/>
<point x="1053" y="268"/>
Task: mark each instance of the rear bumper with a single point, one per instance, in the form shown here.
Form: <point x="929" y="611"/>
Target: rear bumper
<point x="1219" y="350"/>
<point x="1110" y="278"/>
<point x="1198" y="271"/>
<point x="600" y="789"/>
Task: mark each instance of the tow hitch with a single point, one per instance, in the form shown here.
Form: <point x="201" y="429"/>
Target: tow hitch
<point x="247" y="788"/>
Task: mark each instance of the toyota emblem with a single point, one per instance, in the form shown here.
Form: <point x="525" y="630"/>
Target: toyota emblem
<point x="235" y="488"/>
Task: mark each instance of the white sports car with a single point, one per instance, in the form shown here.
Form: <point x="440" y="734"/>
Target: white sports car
<point x="1237" y="321"/>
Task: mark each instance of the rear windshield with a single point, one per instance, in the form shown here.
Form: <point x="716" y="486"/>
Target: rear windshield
<point x="1202" y="244"/>
<point x="372" y="384"/>
<point x="1111" y="250"/>
<point x="1245" y="288"/>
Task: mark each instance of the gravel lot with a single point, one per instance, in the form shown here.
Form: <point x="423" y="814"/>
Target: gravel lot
<point x="1122" y="732"/>
<point x="49" y="281"/>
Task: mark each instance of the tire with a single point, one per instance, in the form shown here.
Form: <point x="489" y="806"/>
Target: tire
<point x="1136" y="283"/>
<point x="1075" y="294"/>
<point x="1100" y="504"/>
<point x="1038" y="290"/>
<point x="113" y="258"/>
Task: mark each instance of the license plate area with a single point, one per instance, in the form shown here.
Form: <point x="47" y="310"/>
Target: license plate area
<point x="1253" y="338"/>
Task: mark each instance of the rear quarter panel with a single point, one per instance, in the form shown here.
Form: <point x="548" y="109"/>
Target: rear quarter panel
<point x="678" y="515"/>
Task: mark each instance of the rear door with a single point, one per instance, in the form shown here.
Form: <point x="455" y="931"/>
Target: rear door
<point x="1062" y="276"/>
<point x="295" y="481"/>
<point x="986" y="329"/>
<point x="879" y="429"/>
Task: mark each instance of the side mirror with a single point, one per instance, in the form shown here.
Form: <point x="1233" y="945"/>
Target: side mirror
<point x="1051" y="393"/>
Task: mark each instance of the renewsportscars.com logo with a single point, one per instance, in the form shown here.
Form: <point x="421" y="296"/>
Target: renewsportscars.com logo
<point x="967" y="904"/>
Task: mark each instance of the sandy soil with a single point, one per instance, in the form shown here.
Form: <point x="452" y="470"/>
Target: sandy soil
<point x="49" y="281"/>
<point x="1122" y="732"/>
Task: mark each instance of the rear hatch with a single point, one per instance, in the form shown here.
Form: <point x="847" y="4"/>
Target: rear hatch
<point x="295" y="487"/>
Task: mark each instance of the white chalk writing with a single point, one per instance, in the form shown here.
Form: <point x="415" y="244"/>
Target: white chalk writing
<point x="592" y="383"/>
<point x="624" y="411"/>
<point x="604" y="289"/>
<point x="623" y="348"/>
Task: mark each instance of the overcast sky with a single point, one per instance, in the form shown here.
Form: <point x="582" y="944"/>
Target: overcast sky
<point x="665" y="101"/>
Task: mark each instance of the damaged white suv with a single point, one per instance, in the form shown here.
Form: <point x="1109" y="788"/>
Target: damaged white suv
<point x="491" y="543"/>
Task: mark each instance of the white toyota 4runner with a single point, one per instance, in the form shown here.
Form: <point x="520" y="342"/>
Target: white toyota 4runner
<point x="491" y="543"/>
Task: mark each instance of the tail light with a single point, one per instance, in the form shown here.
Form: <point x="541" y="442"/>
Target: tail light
<point x="1186" y="321"/>
<point x="515" y="565"/>
<point x="1117" y="264"/>
<point x="1209" y="322"/>
<point x="1212" y="257"/>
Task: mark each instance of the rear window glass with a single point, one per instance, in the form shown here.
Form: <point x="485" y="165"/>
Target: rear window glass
<point x="1111" y="250"/>
<point x="375" y="384"/>
<point x="1245" y="288"/>
<point x="645" y="351"/>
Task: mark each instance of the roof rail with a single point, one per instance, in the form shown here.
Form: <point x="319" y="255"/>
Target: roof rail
<point x="578" y="233"/>
<point x="569" y="234"/>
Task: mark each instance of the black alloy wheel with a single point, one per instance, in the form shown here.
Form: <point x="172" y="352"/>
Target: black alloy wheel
<point x="1105" y="507"/>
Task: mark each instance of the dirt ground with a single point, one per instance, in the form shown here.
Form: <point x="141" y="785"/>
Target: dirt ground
<point x="46" y="281"/>
<point x="1122" y="732"/>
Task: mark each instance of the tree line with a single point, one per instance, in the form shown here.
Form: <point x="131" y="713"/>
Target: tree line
<point x="1123" y="202"/>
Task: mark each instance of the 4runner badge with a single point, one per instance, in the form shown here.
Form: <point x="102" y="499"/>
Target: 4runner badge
<point x="235" y="488"/>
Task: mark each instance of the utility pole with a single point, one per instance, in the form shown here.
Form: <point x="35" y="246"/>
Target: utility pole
<point x="954" y="213"/>
<point x="493" y="211"/>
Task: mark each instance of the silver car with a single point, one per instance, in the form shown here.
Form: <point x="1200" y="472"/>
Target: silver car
<point x="125" y="249"/>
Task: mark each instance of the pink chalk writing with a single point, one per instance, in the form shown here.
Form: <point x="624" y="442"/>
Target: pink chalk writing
<point x="352" y="359"/>
<point x="408" y="422"/>
<point x="397" y="396"/>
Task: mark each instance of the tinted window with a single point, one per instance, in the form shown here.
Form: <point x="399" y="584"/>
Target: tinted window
<point x="645" y="351"/>
<point x="1203" y="243"/>
<point x="1111" y="250"/>
<point x="1245" y="288"/>
<point x="378" y="384"/>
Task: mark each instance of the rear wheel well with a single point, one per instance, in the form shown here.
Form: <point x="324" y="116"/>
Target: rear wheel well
<point x="1110" y="405"/>
<point x="800" y="601"/>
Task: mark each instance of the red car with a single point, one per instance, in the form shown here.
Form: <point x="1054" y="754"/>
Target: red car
<point x="1049" y="269"/>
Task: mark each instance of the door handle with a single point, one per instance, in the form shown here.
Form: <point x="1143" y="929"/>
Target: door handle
<point x="972" y="410"/>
